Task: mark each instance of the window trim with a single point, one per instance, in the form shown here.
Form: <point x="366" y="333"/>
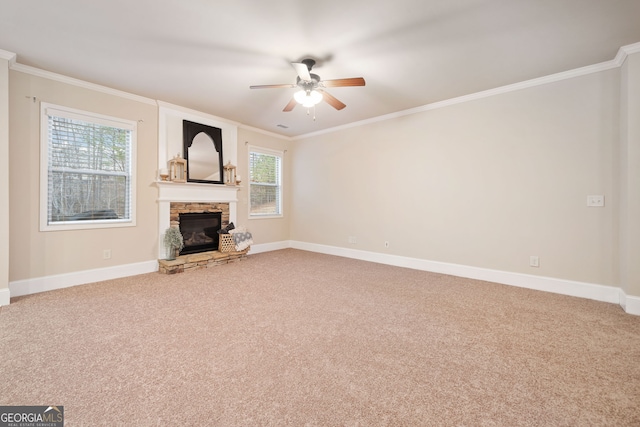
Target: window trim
<point x="269" y="152"/>
<point x="47" y="109"/>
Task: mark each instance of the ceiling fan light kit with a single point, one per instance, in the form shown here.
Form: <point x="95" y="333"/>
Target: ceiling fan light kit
<point x="308" y="98"/>
<point x="311" y="88"/>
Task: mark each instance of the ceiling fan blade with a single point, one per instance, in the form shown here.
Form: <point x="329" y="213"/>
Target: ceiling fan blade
<point x="333" y="101"/>
<point x="272" y="86"/>
<point x="353" y="81"/>
<point x="290" y="105"/>
<point x="302" y="70"/>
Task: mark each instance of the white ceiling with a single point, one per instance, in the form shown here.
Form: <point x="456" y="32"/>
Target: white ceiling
<point x="204" y="54"/>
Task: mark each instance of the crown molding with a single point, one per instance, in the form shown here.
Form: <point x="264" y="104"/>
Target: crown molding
<point x="624" y="52"/>
<point x="617" y="62"/>
<point x="9" y="56"/>
<point x="631" y="48"/>
<point x="166" y="107"/>
<point x="266" y="132"/>
<point x="79" y="83"/>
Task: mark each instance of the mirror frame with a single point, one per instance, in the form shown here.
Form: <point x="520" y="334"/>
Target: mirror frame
<point x="189" y="131"/>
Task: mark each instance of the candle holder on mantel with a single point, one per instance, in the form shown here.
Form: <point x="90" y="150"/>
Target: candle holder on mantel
<point x="229" y="174"/>
<point x="178" y="169"/>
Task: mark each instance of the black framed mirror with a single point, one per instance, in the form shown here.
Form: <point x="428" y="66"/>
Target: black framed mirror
<point x="203" y="152"/>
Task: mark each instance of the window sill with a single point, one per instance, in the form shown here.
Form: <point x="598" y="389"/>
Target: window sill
<point x="265" y="216"/>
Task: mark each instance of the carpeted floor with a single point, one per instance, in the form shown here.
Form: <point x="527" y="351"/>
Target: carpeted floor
<point x="302" y="339"/>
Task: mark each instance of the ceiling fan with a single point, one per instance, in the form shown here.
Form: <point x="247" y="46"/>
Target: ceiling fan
<point x="312" y="87"/>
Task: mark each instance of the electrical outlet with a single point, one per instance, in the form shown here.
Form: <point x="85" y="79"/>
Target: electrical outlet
<point x="386" y="244"/>
<point x="595" y="201"/>
<point x="106" y="254"/>
<point x="534" y="261"/>
<point x="353" y="240"/>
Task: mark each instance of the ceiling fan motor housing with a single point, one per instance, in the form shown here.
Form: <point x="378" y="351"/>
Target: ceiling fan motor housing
<point x="308" y="85"/>
<point x="309" y="63"/>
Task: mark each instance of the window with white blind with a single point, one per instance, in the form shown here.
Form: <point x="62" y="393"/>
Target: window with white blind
<point x="265" y="183"/>
<point x="87" y="178"/>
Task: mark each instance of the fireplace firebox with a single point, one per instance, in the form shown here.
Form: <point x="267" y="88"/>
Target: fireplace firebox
<point x="200" y="231"/>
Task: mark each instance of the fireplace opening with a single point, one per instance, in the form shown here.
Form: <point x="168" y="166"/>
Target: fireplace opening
<point x="200" y="231"/>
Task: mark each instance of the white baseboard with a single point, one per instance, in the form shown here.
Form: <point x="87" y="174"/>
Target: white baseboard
<point x="5" y="295"/>
<point x="49" y="283"/>
<point x="631" y="304"/>
<point x="610" y="294"/>
<point x="268" y="247"/>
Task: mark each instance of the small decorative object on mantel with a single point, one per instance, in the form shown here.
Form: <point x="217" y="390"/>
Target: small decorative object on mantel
<point x="164" y="174"/>
<point x="229" y="174"/>
<point x="238" y="180"/>
<point x="178" y="169"/>
<point x="173" y="242"/>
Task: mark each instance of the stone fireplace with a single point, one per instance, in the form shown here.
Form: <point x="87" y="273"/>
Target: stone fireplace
<point x="186" y="198"/>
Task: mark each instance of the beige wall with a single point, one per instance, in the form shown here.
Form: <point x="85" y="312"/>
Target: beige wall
<point x="485" y="183"/>
<point x="264" y="230"/>
<point x="36" y="254"/>
<point x="4" y="180"/>
<point x="630" y="176"/>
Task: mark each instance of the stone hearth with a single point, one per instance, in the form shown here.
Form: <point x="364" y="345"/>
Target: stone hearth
<point x="200" y="260"/>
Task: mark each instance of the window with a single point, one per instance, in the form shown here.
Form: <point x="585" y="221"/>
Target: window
<point x="265" y="183"/>
<point x="87" y="178"/>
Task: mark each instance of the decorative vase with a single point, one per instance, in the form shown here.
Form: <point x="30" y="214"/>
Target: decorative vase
<point x="171" y="253"/>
